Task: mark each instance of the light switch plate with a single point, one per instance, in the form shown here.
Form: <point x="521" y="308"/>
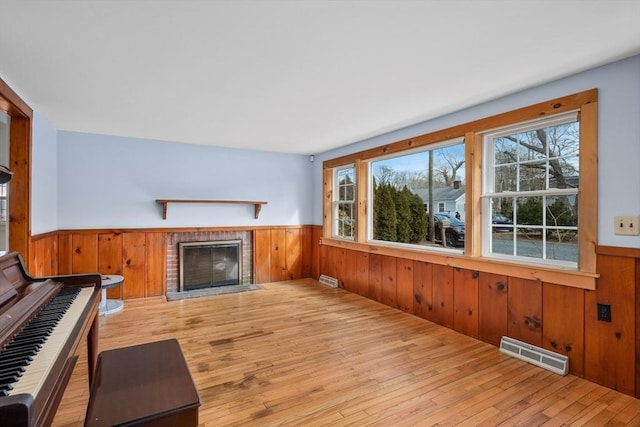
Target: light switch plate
<point x="626" y="225"/>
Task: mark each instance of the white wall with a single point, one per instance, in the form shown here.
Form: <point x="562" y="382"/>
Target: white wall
<point x="44" y="177"/>
<point x="618" y="87"/>
<point x="113" y="182"/>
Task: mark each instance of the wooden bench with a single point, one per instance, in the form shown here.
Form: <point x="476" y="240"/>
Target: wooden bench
<point x="143" y="385"/>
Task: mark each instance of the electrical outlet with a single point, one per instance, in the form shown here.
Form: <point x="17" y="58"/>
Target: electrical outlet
<point x="604" y="312"/>
<point x="626" y="225"/>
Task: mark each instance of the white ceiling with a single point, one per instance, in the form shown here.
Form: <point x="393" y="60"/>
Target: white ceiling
<point x="292" y="76"/>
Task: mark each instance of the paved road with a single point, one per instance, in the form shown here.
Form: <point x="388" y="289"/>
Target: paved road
<point x="533" y="248"/>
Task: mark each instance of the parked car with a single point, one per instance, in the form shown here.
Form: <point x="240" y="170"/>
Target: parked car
<point x="499" y="219"/>
<point x="453" y="232"/>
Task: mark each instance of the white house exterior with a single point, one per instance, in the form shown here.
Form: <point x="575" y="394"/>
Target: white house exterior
<point x="448" y="200"/>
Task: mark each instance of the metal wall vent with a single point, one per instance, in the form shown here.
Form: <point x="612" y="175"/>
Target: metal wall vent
<point x="328" y="280"/>
<point x="546" y="359"/>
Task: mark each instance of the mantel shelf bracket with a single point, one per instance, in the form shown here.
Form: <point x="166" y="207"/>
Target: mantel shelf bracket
<point x="257" y="205"/>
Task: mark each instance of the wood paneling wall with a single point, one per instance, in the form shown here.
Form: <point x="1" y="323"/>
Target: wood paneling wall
<point x="283" y="254"/>
<point x="487" y="306"/>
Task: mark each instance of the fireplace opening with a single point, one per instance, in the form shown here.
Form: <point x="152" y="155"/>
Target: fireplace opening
<point x="210" y="264"/>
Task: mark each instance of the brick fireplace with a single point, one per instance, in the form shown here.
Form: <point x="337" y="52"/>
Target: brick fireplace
<point x="173" y="264"/>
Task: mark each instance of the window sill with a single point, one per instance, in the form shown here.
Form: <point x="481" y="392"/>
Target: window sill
<point x="558" y="276"/>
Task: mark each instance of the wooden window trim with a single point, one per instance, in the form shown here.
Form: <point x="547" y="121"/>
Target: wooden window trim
<point x="585" y="277"/>
<point x="20" y="164"/>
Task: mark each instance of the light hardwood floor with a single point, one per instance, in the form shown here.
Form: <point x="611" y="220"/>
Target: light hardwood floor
<point x="300" y="353"/>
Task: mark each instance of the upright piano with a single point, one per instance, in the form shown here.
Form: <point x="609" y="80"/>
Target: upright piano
<point x="43" y="321"/>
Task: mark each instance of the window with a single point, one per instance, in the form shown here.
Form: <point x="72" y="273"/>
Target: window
<point x="5" y="122"/>
<point x="3" y="207"/>
<point x="530" y="194"/>
<point x="344" y="202"/>
<point x="514" y="194"/>
<point x="406" y="187"/>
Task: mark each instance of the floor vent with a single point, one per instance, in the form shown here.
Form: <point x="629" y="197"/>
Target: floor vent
<point x="329" y="281"/>
<point x="554" y="362"/>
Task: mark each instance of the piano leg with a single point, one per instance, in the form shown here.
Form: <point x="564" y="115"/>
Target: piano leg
<point x="92" y="348"/>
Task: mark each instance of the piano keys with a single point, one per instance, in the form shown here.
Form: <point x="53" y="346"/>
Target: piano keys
<point x="41" y="341"/>
<point x="42" y="323"/>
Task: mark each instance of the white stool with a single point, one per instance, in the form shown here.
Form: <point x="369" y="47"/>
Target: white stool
<point x="109" y="306"/>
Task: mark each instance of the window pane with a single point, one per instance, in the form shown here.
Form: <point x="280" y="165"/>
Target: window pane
<point x="533" y="176"/>
<point x="506" y="178"/>
<point x="505" y="151"/>
<point x="562" y="211"/>
<point x="564" y="140"/>
<point x="562" y="245"/>
<point x="533" y="145"/>
<point x="344" y="215"/>
<point x="564" y="172"/>
<point x="345" y="175"/>
<point x="501" y="216"/>
<point x="529" y="242"/>
<point x="346" y="220"/>
<point x="562" y="231"/>
<point x="529" y="211"/>
<point x="407" y="187"/>
<point x="341" y="193"/>
<point x="349" y="193"/>
<point x="502" y="243"/>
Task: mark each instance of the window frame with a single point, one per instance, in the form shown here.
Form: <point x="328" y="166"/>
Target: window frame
<point x="336" y="202"/>
<point x="489" y="192"/>
<point x="439" y="208"/>
<point x="586" y="103"/>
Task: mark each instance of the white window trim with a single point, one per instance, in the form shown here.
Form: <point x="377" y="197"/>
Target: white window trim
<point x="488" y="183"/>
<point x="336" y="201"/>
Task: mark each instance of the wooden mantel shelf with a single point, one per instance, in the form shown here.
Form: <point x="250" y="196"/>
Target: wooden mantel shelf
<point x="257" y="205"/>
